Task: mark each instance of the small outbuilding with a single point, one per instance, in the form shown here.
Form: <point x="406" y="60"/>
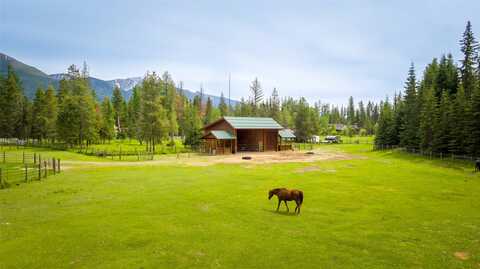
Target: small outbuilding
<point x="286" y="139"/>
<point x="233" y="134"/>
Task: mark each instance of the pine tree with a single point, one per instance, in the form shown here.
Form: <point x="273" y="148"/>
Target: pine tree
<point x="39" y="115"/>
<point x="77" y="115"/>
<point x="24" y="126"/>
<point x="303" y="123"/>
<point x="469" y="48"/>
<point x="275" y="105"/>
<point x="208" y="112"/>
<point x="409" y="131"/>
<point x="362" y="115"/>
<point x="441" y="124"/>
<point x="351" y="111"/>
<point x="44" y="115"/>
<point x="134" y="114"/>
<point x="11" y="105"/>
<point x="459" y="123"/>
<point x="107" y="129"/>
<point x="429" y="82"/>
<point x="153" y="117"/>
<point x="193" y="132"/>
<point x="223" y="106"/>
<point x="256" y="94"/>
<point x="427" y="117"/>
<point x="384" y="133"/>
<point x="119" y="111"/>
<point x="475" y="124"/>
<point x="447" y="78"/>
<point x="51" y="112"/>
<point x="169" y="92"/>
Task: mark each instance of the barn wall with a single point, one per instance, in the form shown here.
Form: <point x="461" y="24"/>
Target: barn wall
<point x="271" y="140"/>
<point x="252" y="138"/>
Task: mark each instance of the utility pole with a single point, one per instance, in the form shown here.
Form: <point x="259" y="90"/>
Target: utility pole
<point x="229" y="106"/>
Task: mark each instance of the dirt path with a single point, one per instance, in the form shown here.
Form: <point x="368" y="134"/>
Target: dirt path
<point x="202" y="160"/>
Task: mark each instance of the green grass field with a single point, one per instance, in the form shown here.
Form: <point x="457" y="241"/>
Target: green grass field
<point x="382" y="210"/>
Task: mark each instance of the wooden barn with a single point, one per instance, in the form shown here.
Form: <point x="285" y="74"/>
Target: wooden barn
<point x="233" y="134"/>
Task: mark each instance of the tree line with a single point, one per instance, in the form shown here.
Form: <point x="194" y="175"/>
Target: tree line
<point x="306" y="119"/>
<point x="440" y="112"/>
<point x="156" y="112"/>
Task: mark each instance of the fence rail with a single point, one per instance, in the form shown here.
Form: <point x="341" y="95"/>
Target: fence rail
<point x="17" y="167"/>
<point x="429" y="154"/>
<point x="19" y="157"/>
<point x="117" y="154"/>
<point x="114" y="154"/>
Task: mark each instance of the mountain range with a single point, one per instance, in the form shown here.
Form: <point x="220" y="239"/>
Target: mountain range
<point x="32" y="78"/>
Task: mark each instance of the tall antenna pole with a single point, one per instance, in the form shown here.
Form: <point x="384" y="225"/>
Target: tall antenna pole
<point x="229" y="91"/>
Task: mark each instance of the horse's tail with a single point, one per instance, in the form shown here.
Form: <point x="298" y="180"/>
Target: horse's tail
<point x="301" y="197"/>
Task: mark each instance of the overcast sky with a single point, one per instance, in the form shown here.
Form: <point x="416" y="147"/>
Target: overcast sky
<point x="322" y="50"/>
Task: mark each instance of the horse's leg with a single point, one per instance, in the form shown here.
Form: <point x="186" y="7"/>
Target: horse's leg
<point x="296" y="202"/>
<point x="286" y="205"/>
<point x="279" y="201"/>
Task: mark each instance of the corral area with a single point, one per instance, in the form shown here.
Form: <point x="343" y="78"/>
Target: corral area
<point x="362" y="209"/>
<point x="254" y="158"/>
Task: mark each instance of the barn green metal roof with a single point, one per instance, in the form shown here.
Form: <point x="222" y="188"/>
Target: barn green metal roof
<point x="253" y="123"/>
<point x="286" y="133"/>
<point x="222" y="135"/>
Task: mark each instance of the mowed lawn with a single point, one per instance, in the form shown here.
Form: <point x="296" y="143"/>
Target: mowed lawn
<point x="385" y="210"/>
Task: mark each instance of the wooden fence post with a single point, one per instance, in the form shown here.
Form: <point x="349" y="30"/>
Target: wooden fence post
<point x="39" y="170"/>
<point x="26" y="173"/>
<point x="53" y="166"/>
<point x="4" y="156"/>
<point x="45" y="168"/>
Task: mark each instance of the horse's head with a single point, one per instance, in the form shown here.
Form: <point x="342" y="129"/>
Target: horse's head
<point x="270" y="194"/>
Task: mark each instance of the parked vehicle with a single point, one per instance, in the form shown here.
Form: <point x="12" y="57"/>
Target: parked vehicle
<point x="332" y="139"/>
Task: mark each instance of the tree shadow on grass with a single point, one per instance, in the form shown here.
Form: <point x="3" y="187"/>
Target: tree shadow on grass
<point x="281" y="212"/>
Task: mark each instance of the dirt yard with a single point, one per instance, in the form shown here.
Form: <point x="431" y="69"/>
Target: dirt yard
<point x="203" y="160"/>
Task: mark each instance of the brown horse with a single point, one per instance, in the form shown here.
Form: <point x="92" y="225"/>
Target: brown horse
<point x="287" y="195"/>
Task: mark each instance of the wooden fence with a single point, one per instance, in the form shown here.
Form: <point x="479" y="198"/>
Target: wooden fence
<point x="118" y="154"/>
<point x="114" y="154"/>
<point x="18" y="167"/>
<point x="428" y="154"/>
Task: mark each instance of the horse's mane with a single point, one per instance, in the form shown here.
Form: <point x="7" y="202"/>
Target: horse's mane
<point x="278" y="189"/>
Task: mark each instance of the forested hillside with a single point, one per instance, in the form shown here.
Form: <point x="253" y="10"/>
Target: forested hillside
<point x="32" y="78"/>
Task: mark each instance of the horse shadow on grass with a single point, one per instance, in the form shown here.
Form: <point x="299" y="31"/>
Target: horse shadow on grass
<point x="283" y="213"/>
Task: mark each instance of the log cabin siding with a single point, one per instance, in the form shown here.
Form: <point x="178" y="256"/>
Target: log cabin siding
<point x="254" y="139"/>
